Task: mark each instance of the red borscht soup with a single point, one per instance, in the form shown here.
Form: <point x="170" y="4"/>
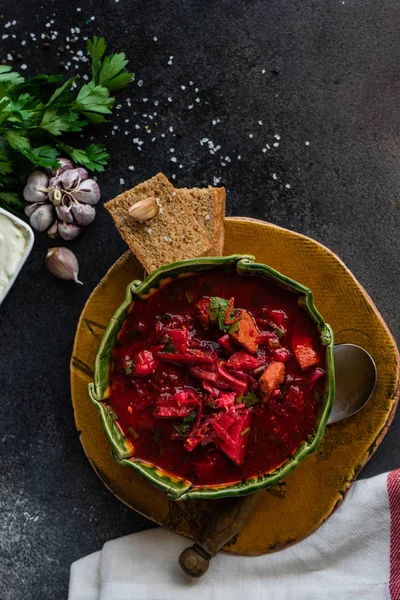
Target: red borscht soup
<point x="217" y="377"/>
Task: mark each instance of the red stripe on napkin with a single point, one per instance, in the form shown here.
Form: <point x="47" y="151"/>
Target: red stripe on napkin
<point x="393" y="484"/>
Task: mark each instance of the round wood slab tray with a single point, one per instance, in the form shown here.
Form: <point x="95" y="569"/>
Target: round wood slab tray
<point x="294" y="508"/>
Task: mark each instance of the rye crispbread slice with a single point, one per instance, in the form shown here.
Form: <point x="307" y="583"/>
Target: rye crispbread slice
<point x="173" y="235"/>
<point x="208" y="206"/>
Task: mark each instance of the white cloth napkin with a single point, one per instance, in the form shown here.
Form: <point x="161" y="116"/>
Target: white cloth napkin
<point x="354" y="555"/>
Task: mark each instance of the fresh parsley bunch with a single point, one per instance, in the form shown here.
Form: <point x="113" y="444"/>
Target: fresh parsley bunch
<point x="36" y="113"/>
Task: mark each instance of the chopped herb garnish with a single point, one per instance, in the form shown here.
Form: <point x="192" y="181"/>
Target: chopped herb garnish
<point x="133" y="433"/>
<point x="211" y="404"/>
<point x="169" y="347"/>
<point x="189" y="297"/>
<point x="129" y="368"/>
<point x="239" y="399"/>
<point x="233" y="328"/>
<point x="245" y="431"/>
<point x="250" y="399"/>
<point x="218" y="313"/>
<point x="183" y="427"/>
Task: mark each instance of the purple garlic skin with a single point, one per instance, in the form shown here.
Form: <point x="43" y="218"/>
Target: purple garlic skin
<point x="33" y="190"/>
<point x="84" y="214"/>
<point x="53" y="231"/>
<point x="68" y="231"/>
<point x="71" y="178"/>
<point x="42" y="217"/>
<point x="30" y="208"/>
<point x="64" y="213"/>
<point x="88" y="192"/>
<point x="65" y="164"/>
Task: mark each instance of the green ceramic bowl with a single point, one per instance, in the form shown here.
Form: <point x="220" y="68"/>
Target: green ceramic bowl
<point x="178" y="488"/>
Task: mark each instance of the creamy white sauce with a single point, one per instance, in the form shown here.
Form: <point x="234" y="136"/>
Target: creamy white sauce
<point x="13" y="244"/>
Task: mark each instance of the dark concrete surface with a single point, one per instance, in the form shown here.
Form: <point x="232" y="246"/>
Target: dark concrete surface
<point x="326" y="73"/>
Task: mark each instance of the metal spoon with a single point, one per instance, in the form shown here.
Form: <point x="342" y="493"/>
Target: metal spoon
<point x="355" y="374"/>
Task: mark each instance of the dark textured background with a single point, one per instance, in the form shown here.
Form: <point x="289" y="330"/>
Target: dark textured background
<point x="332" y="78"/>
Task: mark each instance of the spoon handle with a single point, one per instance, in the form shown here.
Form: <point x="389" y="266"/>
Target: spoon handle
<point x="229" y="517"/>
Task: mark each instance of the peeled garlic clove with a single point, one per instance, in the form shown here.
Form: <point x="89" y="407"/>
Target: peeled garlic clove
<point x="144" y="210"/>
<point x="71" y="177"/>
<point x="53" y="231"/>
<point x="88" y="192"/>
<point x="63" y="264"/>
<point x="30" y="208"/>
<point x="42" y="217"/>
<point x="68" y="231"/>
<point x="35" y="184"/>
<point x="84" y="214"/>
<point x="64" y="213"/>
<point x="65" y="164"/>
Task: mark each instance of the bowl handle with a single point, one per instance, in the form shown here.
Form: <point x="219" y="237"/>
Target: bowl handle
<point x="230" y="516"/>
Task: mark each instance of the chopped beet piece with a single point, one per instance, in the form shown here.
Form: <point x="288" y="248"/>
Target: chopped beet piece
<point x="294" y="397"/>
<point x="246" y="332"/>
<point x="304" y="352"/>
<point x="268" y="338"/>
<point x="178" y="338"/>
<point x="316" y="375"/>
<point x="211" y="389"/>
<point x="143" y="364"/>
<point x="232" y="429"/>
<point x="226" y="344"/>
<point x="281" y="355"/>
<point x="191" y="357"/>
<point x="235" y="384"/>
<point x="224" y="400"/>
<point x="181" y="404"/>
<point x="243" y="361"/>
<point x="278" y="316"/>
<point x="271" y="379"/>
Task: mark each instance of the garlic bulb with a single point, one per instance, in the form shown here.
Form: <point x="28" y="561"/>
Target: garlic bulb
<point x="145" y="210"/>
<point x="62" y="200"/>
<point x="63" y="263"/>
<point x="35" y="189"/>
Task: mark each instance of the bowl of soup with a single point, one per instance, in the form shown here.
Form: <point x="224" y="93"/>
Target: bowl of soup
<point x="215" y="377"/>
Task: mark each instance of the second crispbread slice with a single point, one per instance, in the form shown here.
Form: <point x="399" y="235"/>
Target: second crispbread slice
<point x="208" y="206"/>
<point x="173" y="235"/>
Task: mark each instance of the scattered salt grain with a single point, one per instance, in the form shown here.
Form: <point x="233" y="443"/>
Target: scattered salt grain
<point x="250" y="135"/>
<point x="172" y="149"/>
<point x="274" y="176"/>
<point x="207" y="218"/>
<point x="277" y="137"/>
<point x="140" y="82"/>
<point x="24" y="67"/>
<point x="183" y="87"/>
<point x="131" y="168"/>
<point x="260" y="122"/>
<point x="276" y="145"/>
<point x="263" y="71"/>
<point x="171" y="58"/>
<point x="190" y="106"/>
<point x="121" y="181"/>
<point x="173" y="159"/>
<point x="169" y="99"/>
<point x="9" y="57"/>
<point x="288" y="186"/>
<point x="167" y="238"/>
<point x="307" y="143"/>
<point x="149" y="230"/>
<point x="23" y="43"/>
<point x="155" y="38"/>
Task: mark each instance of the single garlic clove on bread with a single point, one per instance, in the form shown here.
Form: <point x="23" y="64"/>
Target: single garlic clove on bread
<point x="145" y="210"/>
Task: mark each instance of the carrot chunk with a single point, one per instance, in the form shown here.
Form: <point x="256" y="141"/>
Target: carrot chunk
<point x="271" y="379"/>
<point x="246" y="333"/>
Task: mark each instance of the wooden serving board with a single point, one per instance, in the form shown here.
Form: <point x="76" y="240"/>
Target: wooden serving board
<point x="294" y="508"/>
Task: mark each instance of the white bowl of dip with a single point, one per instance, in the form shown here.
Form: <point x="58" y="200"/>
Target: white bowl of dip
<point x="16" y="241"/>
